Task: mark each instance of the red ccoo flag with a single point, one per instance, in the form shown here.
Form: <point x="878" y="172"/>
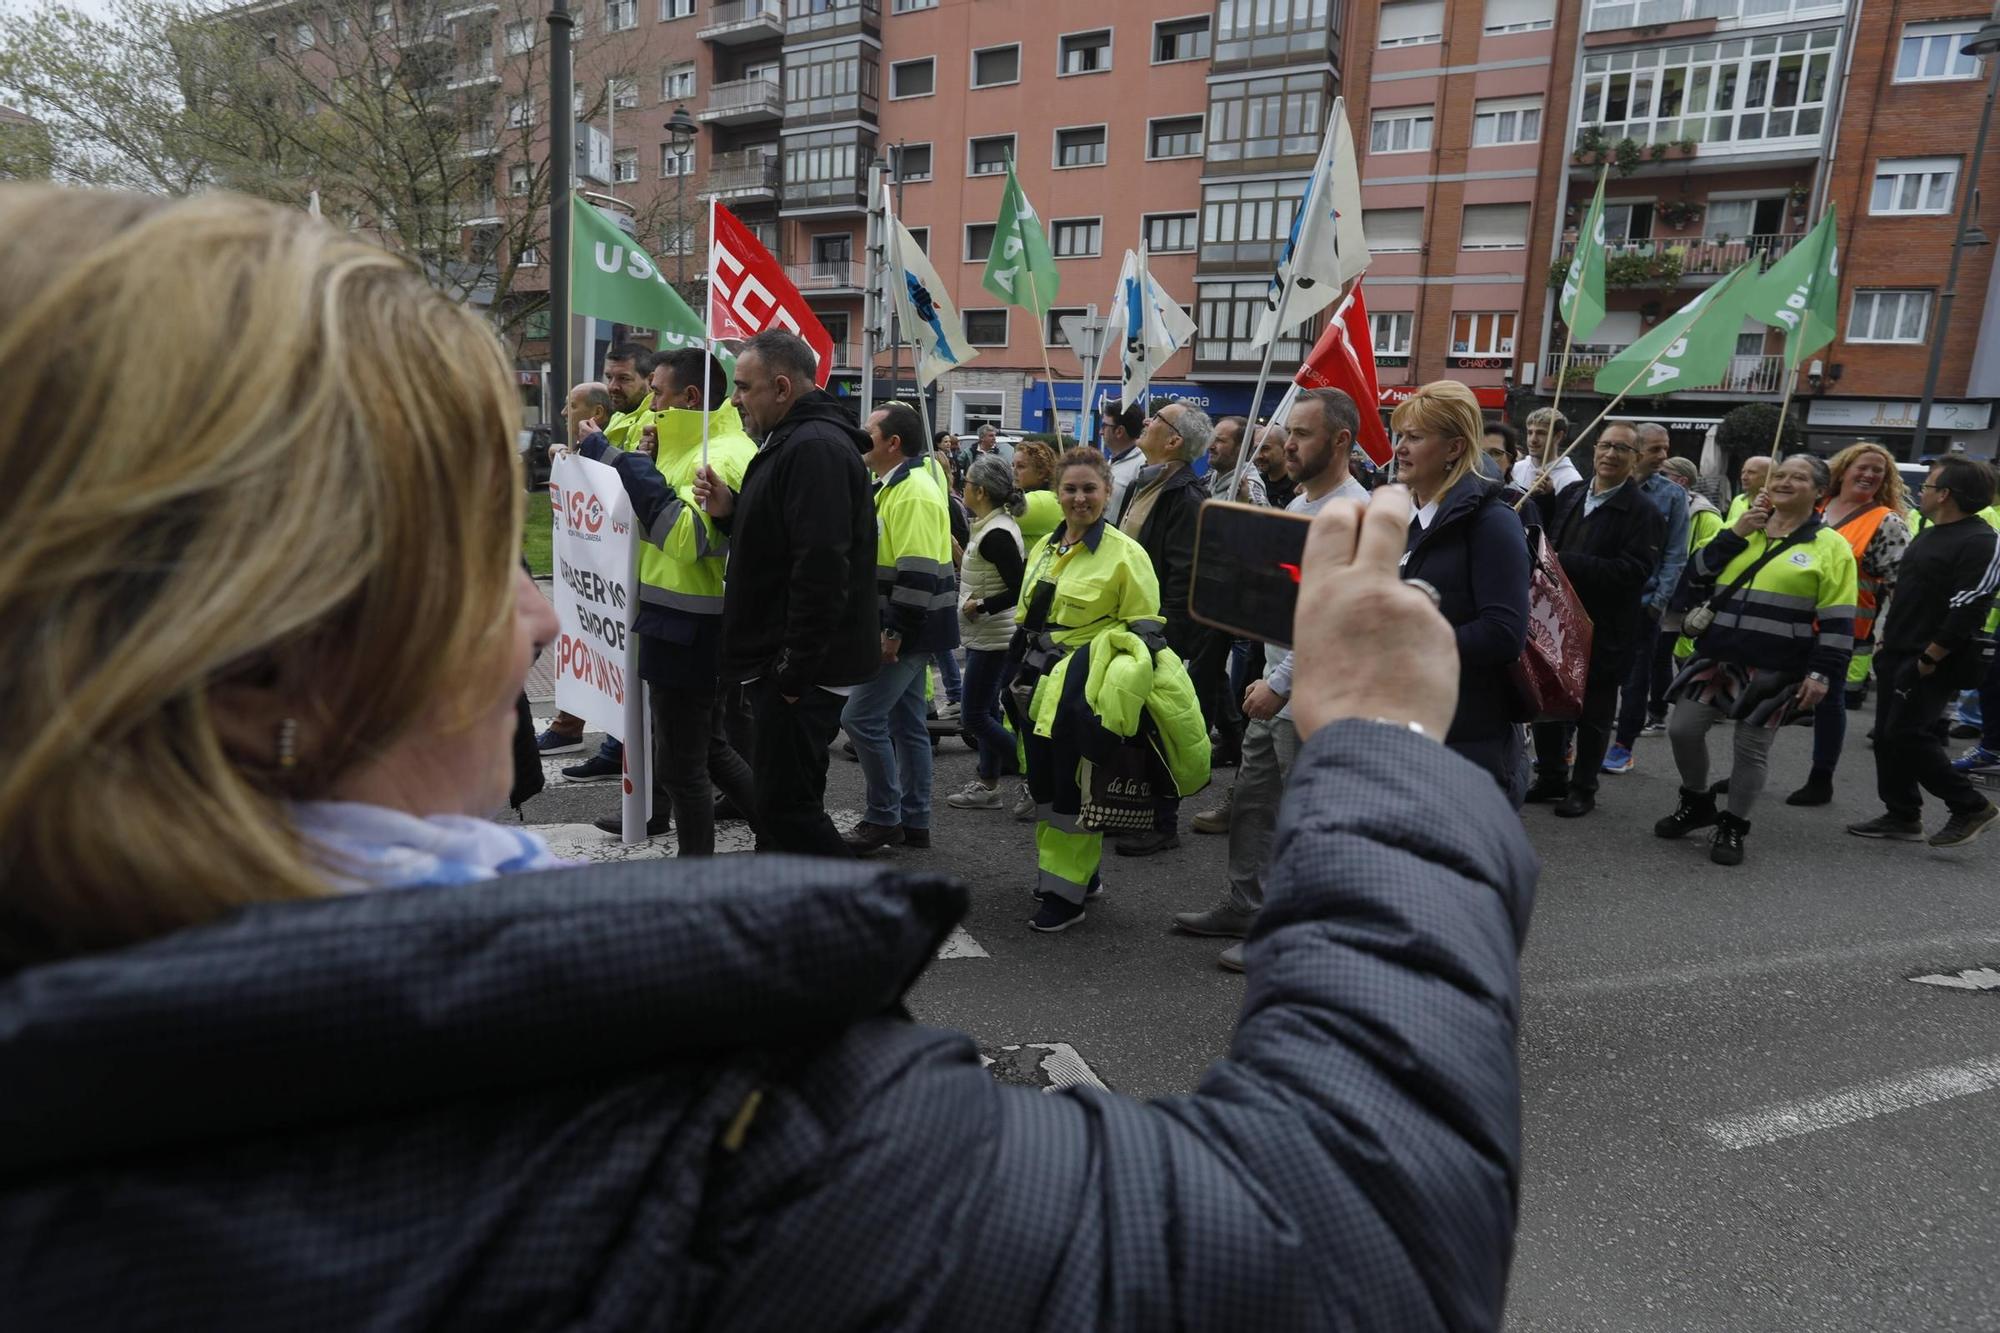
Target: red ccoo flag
<point x="748" y="292"/>
<point x="1344" y="359"/>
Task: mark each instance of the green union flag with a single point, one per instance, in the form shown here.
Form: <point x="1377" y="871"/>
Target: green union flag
<point x="1801" y="293"/>
<point x="1020" y="270"/>
<point x="1692" y="349"/>
<point x="612" y="278"/>
<point x="1582" y="302"/>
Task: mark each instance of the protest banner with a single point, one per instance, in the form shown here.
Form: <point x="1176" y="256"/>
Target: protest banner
<point x="596" y="649"/>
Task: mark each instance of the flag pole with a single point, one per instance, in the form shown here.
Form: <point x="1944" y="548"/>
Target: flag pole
<point x="1562" y="372"/>
<point x="1778" y="436"/>
<point x="1577" y="438"/>
<point x="1055" y="421"/>
<point x="707" y="333"/>
<point x="1263" y="376"/>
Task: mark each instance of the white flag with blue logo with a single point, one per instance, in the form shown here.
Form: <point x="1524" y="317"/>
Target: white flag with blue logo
<point x="924" y="308"/>
<point x="1149" y="327"/>
<point x="1326" y="250"/>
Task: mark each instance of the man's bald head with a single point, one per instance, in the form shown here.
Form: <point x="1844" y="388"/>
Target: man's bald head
<point x="589" y="404"/>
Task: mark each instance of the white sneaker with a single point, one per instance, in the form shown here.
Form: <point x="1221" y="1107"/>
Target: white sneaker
<point x="1024" y="805"/>
<point x="947" y="711"/>
<point x="974" y="795"/>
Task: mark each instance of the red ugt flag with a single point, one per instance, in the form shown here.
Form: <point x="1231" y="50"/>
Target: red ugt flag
<point x="748" y="292"/>
<point x="1344" y="359"/>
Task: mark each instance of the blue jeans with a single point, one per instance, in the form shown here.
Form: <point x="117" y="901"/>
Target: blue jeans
<point x="954" y="685"/>
<point x="885" y="718"/>
<point x="979" y="711"/>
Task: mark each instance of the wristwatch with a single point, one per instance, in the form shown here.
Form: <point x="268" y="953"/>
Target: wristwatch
<point x="1819" y="676"/>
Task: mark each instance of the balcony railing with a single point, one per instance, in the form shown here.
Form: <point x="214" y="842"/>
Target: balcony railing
<point x="745" y="95"/>
<point x="843" y="195"/>
<point x="1747" y="374"/>
<point x="1663" y="260"/>
<point x="828" y="275"/>
<point x="1607" y="15"/>
<point x="747" y="172"/>
<point x="742" y="19"/>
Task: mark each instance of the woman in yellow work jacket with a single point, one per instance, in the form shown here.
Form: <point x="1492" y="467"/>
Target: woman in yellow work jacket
<point x="1085" y="580"/>
<point x="1866" y="508"/>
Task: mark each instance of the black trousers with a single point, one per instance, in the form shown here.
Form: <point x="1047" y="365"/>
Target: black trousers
<point x="1210" y="674"/>
<point x="1593" y="733"/>
<point x="790" y="767"/>
<point x="1910" y="752"/>
<point x="1637" y="695"/>
<point x="692" y="760"/>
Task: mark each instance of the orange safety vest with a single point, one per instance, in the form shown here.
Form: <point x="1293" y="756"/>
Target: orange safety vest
<point x="1859" y="531"/>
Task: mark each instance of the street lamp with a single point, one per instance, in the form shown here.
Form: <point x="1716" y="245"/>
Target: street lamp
<point x="682" y="130"/>
<point x="1984" y="43"/>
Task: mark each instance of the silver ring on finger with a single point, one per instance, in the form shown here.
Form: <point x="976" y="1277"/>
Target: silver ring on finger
<point x="1427" y="590"/>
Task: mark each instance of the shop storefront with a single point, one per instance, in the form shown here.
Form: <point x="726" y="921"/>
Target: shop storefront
<point x="1834" y="423"/>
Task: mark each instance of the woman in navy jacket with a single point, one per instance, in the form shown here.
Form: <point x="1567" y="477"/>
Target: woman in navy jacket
<point x="1469" y="545"/>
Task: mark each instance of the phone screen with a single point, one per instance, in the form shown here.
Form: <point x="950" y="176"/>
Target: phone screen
<point x="1246" y="570"/>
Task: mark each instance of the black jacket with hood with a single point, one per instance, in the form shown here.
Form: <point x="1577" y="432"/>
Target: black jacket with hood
<point x="1475" y="553"/>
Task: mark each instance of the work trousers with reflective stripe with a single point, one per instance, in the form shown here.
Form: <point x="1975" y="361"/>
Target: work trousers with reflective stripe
<point x="1066" y="856"/>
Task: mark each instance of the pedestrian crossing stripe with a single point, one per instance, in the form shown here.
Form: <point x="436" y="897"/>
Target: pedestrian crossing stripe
<point x="1048" y="1065"/>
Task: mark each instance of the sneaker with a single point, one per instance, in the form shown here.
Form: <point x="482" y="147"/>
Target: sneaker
<point x="1024" y="805"/>
<point x="1090" y="894"/>
<point x="1618" y="759"/>
<point x="1964" y="826"/>
<point x="1231" y="959"/>
<point x="1055" y="914"/>
<point x="1225" y="920"/>
<point x="866" y="838"/>
<point x="1975" y="759"/>
<point x="1655" y="726"/>
<point x="947" y="711"/>
<point x="595" y="769"/>
<point x="974" y="795"/>
<point x="1216" y="820"/>
<point x="1893" y="827"/>
<point x="1964" y="731"/>
<point x="553" y="742"/>
<point x="661" y="822"/>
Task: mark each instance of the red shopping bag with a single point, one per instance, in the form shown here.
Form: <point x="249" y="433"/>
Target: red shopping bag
<point x="1554" y="665"/>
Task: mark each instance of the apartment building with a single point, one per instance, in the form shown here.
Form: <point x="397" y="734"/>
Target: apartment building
<point x="1729" y="124"/>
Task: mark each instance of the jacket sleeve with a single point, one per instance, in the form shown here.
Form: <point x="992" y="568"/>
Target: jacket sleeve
<point x="1975" y="577"/>
<point x="1175" y="541"/>
<point x="1714" y="556"/>
<point x="1622" y="572"/>
<point x="1839" y="589"/>
<point x="1673" y="554"/>
<point x="1497" y="632"/>
<point x="664" y="516"/>
<point x="819" y="500"/>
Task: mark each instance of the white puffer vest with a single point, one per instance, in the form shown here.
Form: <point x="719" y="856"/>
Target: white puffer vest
<point x="978" y="580"/>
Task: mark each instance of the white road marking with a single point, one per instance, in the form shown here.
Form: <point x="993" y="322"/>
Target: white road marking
<point x="1058" y="1064"/>
<point x="1865" y="1101"/>
<point x="958" y="944"/>
<point x="1972" y="978"/>
<point x="1739" y="969"/>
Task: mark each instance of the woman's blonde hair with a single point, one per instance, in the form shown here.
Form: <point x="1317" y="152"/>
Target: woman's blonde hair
<point x="1893" y="492"/>
<point x="1447" y="409"/>
<point x="243" y="452"/>
<point x="1042" y="458"/>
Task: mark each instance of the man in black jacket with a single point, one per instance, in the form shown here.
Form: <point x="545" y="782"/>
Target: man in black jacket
<point x="798" y="614"/>
<point x="1608" y="536"/>
<point x="1944" y="586"/>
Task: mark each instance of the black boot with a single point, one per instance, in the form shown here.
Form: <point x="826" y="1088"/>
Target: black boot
<point x="1817" y="791"/>
<point x="1725" y="845"/>
<point x="1548" y="787"/>
<point x="1696" y="810"/>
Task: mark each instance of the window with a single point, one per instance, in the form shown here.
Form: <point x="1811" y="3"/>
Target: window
<point x="1078" y="238"/>
<point x="1392" y="332"/>
<point x="385" y="17"/>
<point x="913" y="78"/>
<point x="1277" y="116"/>
<point x="827" y="167"/>
<point x="1226" y="317"/>
<point x="671" y="162"/>
<point x="996" y="65"/>
<point x="528" y="257"/>
<point x="1171" y="233"/>
<point x="520" y="38"/>
<point x="1084" y="52"/>
<point x="922" y="236"/>
<point x="625" y="166"/>
<point x="620" y="15"/>
<point x="303" y="36"/>
<point x="1393" y="231"/>
<point x="1494" y="227"/>
<point x="1246" y="225"/>
<point x="271" y="45"/>
<point x="1405" y="130"/>
<point x="986" y="328"/>
<point x="1080" y="146"/>
<point x="1411" y="23"/>
<point x="978" y="407"/>
<point x="677" y="84"/>
<point x="1505" y="16"/>
<point x="622" y="93"/>
<point x="1889" y="317"/>
<point x="1179" y="136"/>
<point x="913" y="162"/>
<point x="1052" y="330"/>
<point x="831" y="82"/>
<point x="677" y="238"/>
<point x="1747" y="91"/>
<point x="1265" y="29"/>
<point x="1180" y="39"/>
<point x="1914" y="185"/>
<point x="989" y="156"/>
<point x="911" y="6"/>
<point x="1634" y="221"/>
<point x="1483" y="334"/>
<point x="520" y="113"/>
<point x="832" y="253"/>
<point x="1930" y="53"/>
<point x="1503" y="120"/>
<point x="978" y="242"/>
<point x="518" y="179"/>
<point x="343" y="27"/>
<point x="676" y="9"/>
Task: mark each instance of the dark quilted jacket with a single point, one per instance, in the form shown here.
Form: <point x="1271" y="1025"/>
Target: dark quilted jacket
<point x="684" y="1097"/>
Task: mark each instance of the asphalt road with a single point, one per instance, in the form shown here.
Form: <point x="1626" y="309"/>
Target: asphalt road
<point x="1741" y="1112"/>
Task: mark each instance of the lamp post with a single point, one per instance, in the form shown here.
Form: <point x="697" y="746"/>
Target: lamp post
<point x="682" y="130"/>
<point x="1985" y="43"/>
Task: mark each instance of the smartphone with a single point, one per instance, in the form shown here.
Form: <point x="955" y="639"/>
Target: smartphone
<point x="1246" y="570"/>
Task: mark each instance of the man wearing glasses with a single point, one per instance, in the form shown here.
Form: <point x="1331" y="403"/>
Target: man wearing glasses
<point x="1609" y="537"/>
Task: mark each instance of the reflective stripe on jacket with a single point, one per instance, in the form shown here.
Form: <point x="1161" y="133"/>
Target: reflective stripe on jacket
<point x="1797" y="614"/>
<point x="913" y="573"/>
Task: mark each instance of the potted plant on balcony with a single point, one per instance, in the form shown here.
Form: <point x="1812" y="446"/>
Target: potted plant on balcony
<point x="1680" y="213"/>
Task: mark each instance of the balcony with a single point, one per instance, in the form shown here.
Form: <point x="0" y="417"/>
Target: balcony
<point x="748" y="177"/>
<point x="809" y="20"/>
<point x="744" y="22"/>
<point x="471" y="72"/>
<point x="433" y="31"/>
<point x="482" y="141"/>
<point x="824" y="198"/>
<point x="1754" y="376"/>
<point x="829" y="277"/>
<point x="1666" y="262"/>
<point x="744" y="102"/>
